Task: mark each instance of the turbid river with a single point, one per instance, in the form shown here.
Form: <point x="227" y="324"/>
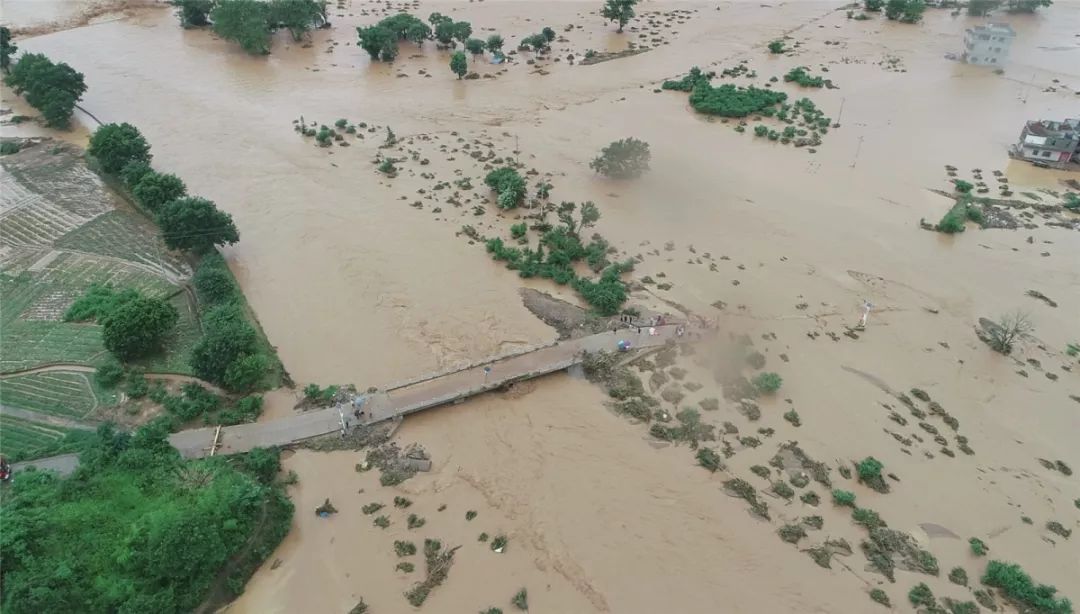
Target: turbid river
<point x="353" y="285"/>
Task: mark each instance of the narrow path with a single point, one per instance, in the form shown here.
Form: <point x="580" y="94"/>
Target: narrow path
<point x="169" y="377"/>
<point x="46" y="419"/>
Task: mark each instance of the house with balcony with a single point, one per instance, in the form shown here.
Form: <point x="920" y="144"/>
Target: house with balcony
<point x="1049" y="143"/>
<point x="988" y="45"/>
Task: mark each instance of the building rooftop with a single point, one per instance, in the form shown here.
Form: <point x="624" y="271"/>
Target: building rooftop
<point x="994" y="28"/>
<point x="1048" y="128"/>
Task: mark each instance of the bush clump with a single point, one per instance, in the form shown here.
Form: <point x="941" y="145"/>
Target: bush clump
<point x="1019" y="587"/>
<point x="687" y="84"/>
<point x="869" y="470"/>
<point x="767" y="382"/>
<point x="623" y="159"/>
<point x="509" y="186"/>
<point x="978" y="546"/>
<point x="921" y="596"/>
<point x="732" y="101"/>
<point x="843" y="498"/>
<point x="709" y="459"/>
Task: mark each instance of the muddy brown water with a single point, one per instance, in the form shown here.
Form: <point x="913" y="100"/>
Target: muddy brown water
<point x="353" y="285"/>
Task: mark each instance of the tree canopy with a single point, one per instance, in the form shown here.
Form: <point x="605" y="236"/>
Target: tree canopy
<point x="155" y="189"/>
<point x="458" y="64"/>
<point x="474" y="46"/>
<point x="906" y="11"/>
<point x="494" y="43"/>
<point x="623" y="159"/>
<point x="196" y="224"/>
<point x="137" y="529"/>
<point x="508" y="185"/>
<point x="621" y="11"/>
<point x="227" y="338"/>
<point x="193" y="13"/>
<point x="7" y="48"/>
<point x="116" y="145"/>
<point x="52" y="88"/>
<point x="136" y="327"/>
<point x="297" y="16"/>
<point x="246" y="22"/>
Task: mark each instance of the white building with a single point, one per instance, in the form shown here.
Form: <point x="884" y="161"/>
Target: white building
<point x="988" y="45"/>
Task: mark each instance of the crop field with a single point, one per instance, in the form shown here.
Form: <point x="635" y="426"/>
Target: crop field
<point x="21" y="439"/>
<point x="64" y="230"/>
<point x="67" y="394"/>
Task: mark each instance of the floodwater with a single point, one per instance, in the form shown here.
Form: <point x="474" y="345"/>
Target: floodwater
<point x="354" y="285"/>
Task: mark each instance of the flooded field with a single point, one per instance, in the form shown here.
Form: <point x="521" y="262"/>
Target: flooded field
<point x="354" y="285"/>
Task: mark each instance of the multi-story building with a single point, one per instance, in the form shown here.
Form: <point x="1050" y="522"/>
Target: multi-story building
<point x="1049" y="143"/>
<point x="988" y="45"/>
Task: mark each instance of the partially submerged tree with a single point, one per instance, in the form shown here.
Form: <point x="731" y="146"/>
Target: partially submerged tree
<point x="7" y="48"/>
<point x="1001" y="335"/>
<point x="53" y="89"/>
<point x="474" y="46"/>
<point x="620" y="11"/>
<point x="458" y="64"/>
<point x="379" y="42"/>
<point x="155" y="189"/>
<point x="116" y="145"/>
<point x="1026" y="6"/>
<point x="196" y="224"/>
<point x="625" y="158"/>
<point x="193" y="13"/>
<point x="906" y="11"/>
<point x="874" y="5"/>
<point x="246" y="22"/>
<point x="297" y="16"/>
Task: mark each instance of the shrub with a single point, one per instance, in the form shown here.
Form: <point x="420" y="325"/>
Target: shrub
<point x="109" y="373"/>
<point x="874" y="5"/>
<point x="964" y="187"/>
<point x="137" y="386"/>
<point x="760" y="130"/>
<point x="958" y="576"/>
<point x="508" y="185"/>
<point x="801" y="75"/>
<point x="8" y="148"/>
<point x="133" y="172"/>
<point x="978" y="546"/>
<point x="921" y="595"/>
<point x="521" y="599"/>
<point x="867" y="518"/>
<point x="709" y="459"/>
<point x="767" y="382"/>
<point x="810" y="498"/>
<point x="731" y="101"/>
<point x="776" y="47"/>
<point x="843" y="498"/>
<point x="227" y="337"/>
<point x="792" y="533"/>
<point x="116" y="145"/>
<point x="401" y="502"/>
<point x="781" y="488"/>
<point x="1018" y="586"/>
<point x="498" y="542"/>
<point x="879" y="596"/>
<point x="690" y="81"/>
<point x="518" y="231"/>
<point x="869" y="470"/>
<point x="953" y="220"/>
<point x="246" y="372"/>
<point x="623" y="159"/>
<point x="404" y="548"/>
<point x="494" y="44"/>
<point x="381" y="521"/>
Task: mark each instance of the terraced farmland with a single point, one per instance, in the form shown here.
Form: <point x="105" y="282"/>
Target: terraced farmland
<point x="20" y="439"/>
<point x="64" y="230"/>
<point x="60" y="393"/>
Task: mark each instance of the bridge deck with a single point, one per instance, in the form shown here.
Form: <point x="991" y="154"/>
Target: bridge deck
<point x="412" y="397"/>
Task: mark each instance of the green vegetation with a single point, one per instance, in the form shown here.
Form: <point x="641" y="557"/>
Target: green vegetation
<point x="404" y="548"/>
<point x="7" y="48"/>
<point x="297" y="16"/>
<point x="792" y="533"/>
<point x="521" y="599"/>
<point x="458" y="64"/>
<point x="767" y="382"/>
<point x="401" y="502"/>
<point x="687" y="84"/>
<point x="53" y="89"/>
<point x="475" y="46"/>
<point x="195" y="224"/>
<point x="623" y="159"/>
<point x="116" y="145"/>
<point x="781" y="489"/>
<point x="874" y="5"/>
<point x="920" y="595"/>
<point x="879" y="596"/>
<point x="843" y="498"/>
<point x="867" y="518"/>
<point x="905" y="11"/>
<point x="801" y="75"/>
<point x="776" y="47"/>
<point x="869" y="470"/>
<point x="137" y="529"/>
<point x="1056" y="527"/>
<point x="1007" y="330"/>
<point x="957" y="575"/>
<point x="25" y="440"/>
<point x="508" y="185"/>
<point x="537" y="42"/>
<point x="709" y="459"/>
<point x="1019" y="587"/>
<point x="494" y="44"/>
<point x="193" y="13"/>
<point x="732" y="101"/>
<point x="963" y="187"/>
<point x="438" y="563"/>
<point x="245" y="22"/>
<point x="978" y="546"/>
<point x="155" y="189"/>
<point x="133" y="325"/>
<point x="620" y="11"/>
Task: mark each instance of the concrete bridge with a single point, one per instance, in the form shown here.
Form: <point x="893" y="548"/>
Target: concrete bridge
<point x="402" y="399"/>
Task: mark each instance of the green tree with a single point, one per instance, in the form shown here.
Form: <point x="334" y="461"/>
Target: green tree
<point x="907" y="11"/>
<point x="379" y="42"/>
<point x="548" y="34"/>
<point x="776" y="47"/>
<point x="981" y="8"/>
<point x="53" y="89"/>
<point x="874" y="5"/>
<point x="193" y="13"/>
<point x="474" y="46"/>
<point x="621" y="11"/>
<point x="246" y="22"/>
<point x="622" y="159"/>
<point x="155" y="189"/>
<point x="444" y="32"/>
<point x="134" y="171"/>
<point x="115" y="145"/>
<point x="297" y="16"/>
<point x="245" y="373"/>
<point x="213" y="282"/>
<point x="1026" y="6"/>
<point x="462" y="31"/>
<point x="495" y="44"/>
<point x="458" y="64"/>
<point x="7" y="48"/>
<point x="227" y="337"/>
<point x="136" y="327"/>
<point x="196" y="224"/>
